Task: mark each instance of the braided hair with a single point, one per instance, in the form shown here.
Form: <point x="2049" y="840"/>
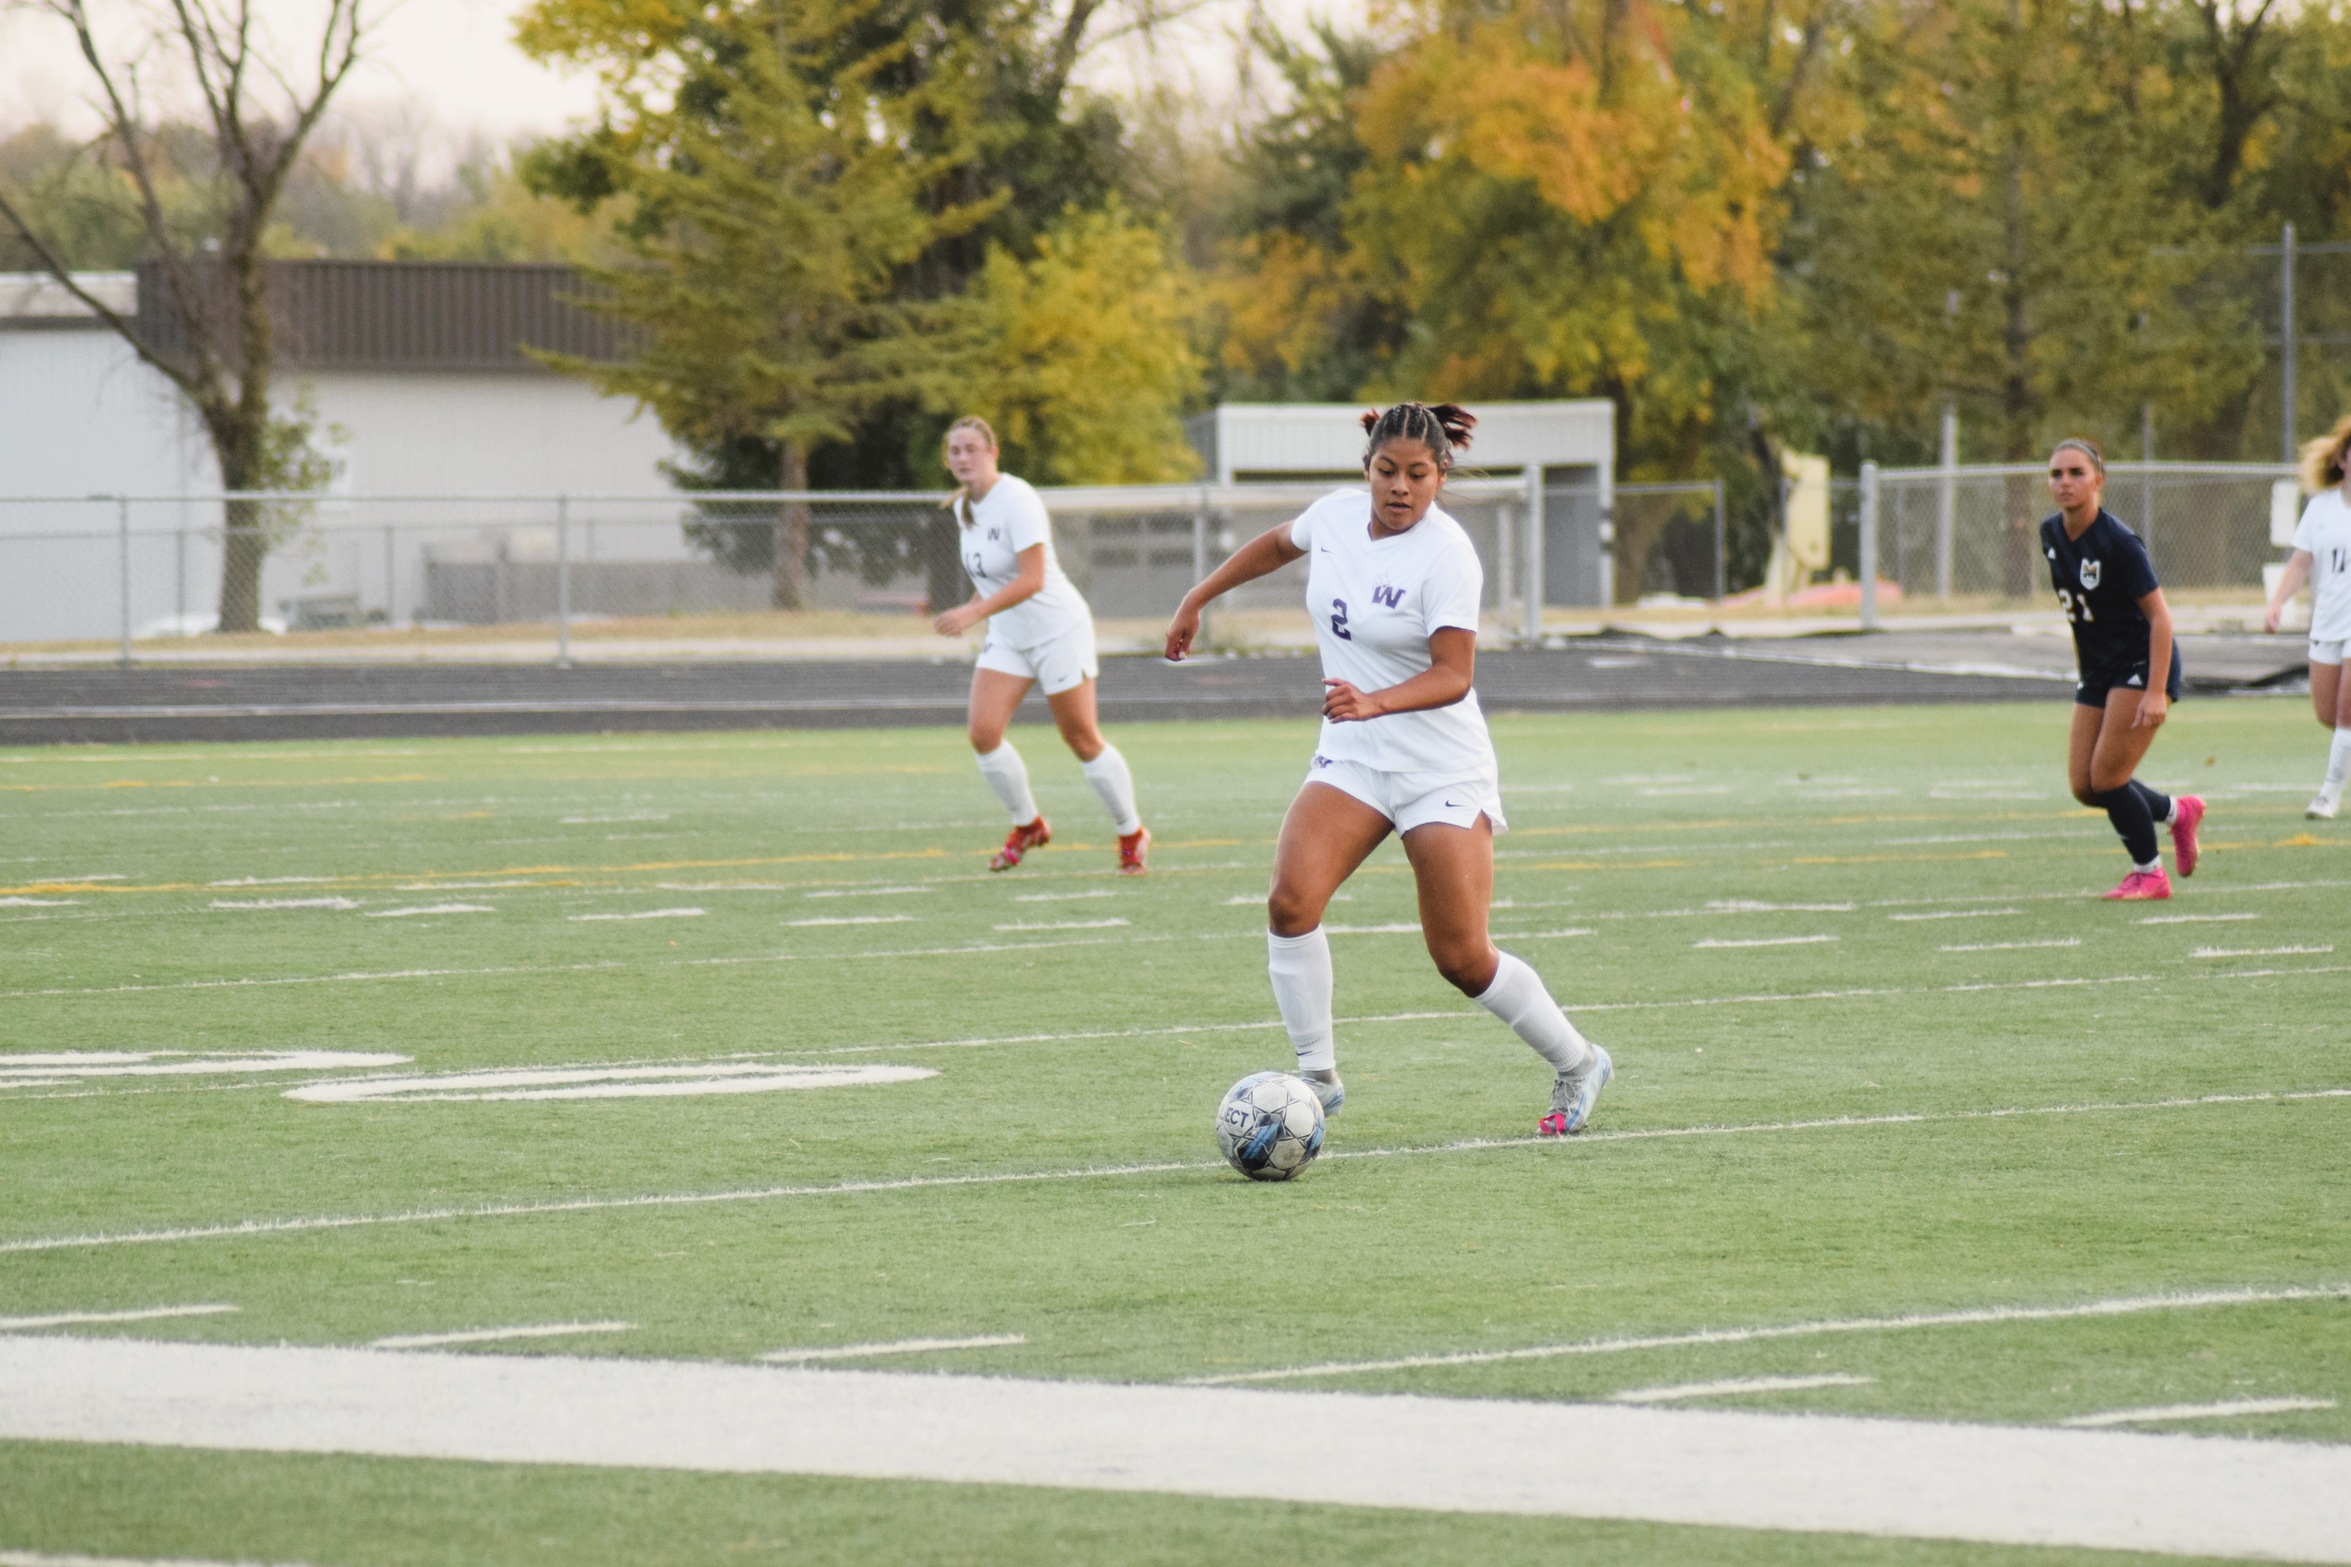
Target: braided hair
<point x="1441" y="429"/>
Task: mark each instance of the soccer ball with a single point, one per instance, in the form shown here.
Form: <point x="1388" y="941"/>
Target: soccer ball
<point x="1269" y="1126"/>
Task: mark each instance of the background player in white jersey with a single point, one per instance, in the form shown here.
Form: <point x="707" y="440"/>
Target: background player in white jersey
<point x="1040" y="632"/>
<point x="1393" y="585"/>
<point x="2322" y="553"/>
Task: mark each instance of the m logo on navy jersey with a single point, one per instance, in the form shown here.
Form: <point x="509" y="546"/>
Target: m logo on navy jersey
<point x="2090" y="573"/>
<point x="1393" y="598"/>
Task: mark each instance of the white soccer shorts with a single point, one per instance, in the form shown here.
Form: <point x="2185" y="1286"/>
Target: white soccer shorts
<point x="1061" y="664"/>
<point x="1406" y="800"/>
<point x="2328" y="652"/>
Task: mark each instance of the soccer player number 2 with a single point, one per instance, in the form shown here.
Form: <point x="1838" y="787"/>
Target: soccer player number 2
<point x="1339" y="620"/>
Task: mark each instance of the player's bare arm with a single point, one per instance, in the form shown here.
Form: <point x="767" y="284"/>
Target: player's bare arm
<point x="1262" y="556"/>
<point x="2155" y="706"/>
<point x="1453" y="654"/>
<point x="1026" y="586"/>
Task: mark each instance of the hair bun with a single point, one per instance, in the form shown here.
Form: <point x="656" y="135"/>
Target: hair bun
<point x="1456" y="421"/>
<point x="1370" y="420"/>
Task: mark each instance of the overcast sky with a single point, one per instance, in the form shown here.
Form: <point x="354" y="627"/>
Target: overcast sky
<point x="453" y="62"/>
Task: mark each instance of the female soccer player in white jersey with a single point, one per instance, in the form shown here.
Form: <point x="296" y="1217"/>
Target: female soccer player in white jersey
<point x="2129" y="668"/>
<point x="2322" y="553"/>
<point x="1040" y="632"/>
<point x="1393" y="585"/>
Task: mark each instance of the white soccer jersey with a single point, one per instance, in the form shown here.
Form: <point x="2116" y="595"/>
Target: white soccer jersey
<point x="995" y="529"/>
<point x="1375" y="603"/>
<point x="2325" y="531"/>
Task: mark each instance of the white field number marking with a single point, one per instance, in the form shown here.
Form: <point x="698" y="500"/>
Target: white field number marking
<point x="75" y="1319"/>
<point x="499" y="1335"/>
<point x="2159" y="1413"/>
<point x="68" y="1066"/>
<point x="604" y="1082"/>
<point x="1732" y="1387"/>
<point x="904" y="1346"/>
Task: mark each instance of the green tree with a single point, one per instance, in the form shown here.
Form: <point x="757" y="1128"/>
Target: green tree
<point x="1080" y="354"/>
<point x="777" y="168"/>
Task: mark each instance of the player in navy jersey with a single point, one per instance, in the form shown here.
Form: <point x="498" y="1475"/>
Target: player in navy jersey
<point x="1394" y="584"/>
<point x="2130" y="670"/>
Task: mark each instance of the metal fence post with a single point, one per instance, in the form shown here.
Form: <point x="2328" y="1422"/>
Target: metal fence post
<point x="391" y="580"/>
<point x="1531" y="629"/>
<point x="1946" y="498"/>
<point x="1722" y="565"/>
<point x="122" y="533"/>
<point x="563" y="582"/>
<point x="1200" y="542"/>
<point x="2286" y="410"/>
<point x="1869" y="546"/>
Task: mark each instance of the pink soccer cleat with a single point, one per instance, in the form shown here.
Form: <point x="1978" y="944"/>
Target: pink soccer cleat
<point x="2142" y="887"/>
<point x="2187" y="812"/>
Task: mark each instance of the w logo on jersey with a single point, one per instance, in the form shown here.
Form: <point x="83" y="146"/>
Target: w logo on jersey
<point x="1389" y="598"/>
<point x="2090" y="573"/>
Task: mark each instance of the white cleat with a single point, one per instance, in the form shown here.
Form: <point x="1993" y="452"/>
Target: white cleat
<point x="2322" y="807"/>
<point x="1572" y="1097"/>
<point x="1328" y="1089"/>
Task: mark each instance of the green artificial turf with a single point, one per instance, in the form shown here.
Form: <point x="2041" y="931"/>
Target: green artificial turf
<point x="1081" y="1025"/>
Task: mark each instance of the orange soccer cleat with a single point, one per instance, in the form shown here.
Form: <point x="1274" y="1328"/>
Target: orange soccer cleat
<point x="1134" y="849"/>
<point x="1018" y="842"/>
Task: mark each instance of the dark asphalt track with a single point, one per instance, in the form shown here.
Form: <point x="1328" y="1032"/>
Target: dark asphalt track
<point x="282" y="702"/>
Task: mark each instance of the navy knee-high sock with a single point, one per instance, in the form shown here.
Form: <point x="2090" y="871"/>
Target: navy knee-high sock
<point x="2158" y="803"/>
<point x="2134" y="821"/>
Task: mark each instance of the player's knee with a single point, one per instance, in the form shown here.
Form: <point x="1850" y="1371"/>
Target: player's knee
<point x="2085" y="792"/>
<point x="2104" y="781"/>
<point x="1290" y="911"/>
<point x="1084" y="744"/>
<point x="1465" y="965"/>
<point x="985" y="738"/>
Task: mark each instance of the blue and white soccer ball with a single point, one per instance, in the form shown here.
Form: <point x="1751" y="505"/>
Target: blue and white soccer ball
<point x="1269" y="1126"/>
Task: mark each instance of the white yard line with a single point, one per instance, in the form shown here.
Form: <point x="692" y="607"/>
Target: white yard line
<point x="1811" y="1473"/>
<point x="2262" y="952"/>
<point x="637" y="1082"/>
<point x="2013" y="946"/>
<point x="1765" y="941"/>
<point x="250" y="1228"/>
<point x="904" y="1346"/>
<point x="1107" y="924"/>
<point x="2164" y="1412"/>
<point x="856" y="919"/>
<point x="2120" y="1306"/>
<point x="431" y="909"/>
<point x="284" y="903"/>
<point x="1733" y="1387"/>
<point x="2195" y="919"/>
<point x="641" y="914"/>
<point x="1953" y="914"/>
<point x="75" y="1319"/>
<point x="500" y="1335"/>
<point x="47" y="1559"/>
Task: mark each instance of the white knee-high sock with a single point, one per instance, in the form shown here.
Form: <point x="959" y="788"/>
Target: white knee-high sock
<point x="1009" y="777"/>
<point x="1518" y="998"/>
<point x="2338" y="763"/>
<point x="1301" y="970"/>
<point x="1111" y="780"/>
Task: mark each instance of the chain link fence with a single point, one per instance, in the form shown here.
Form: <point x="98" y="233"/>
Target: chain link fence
<point x="130" y="569"/>
<point x="126" y="569"/>
<point x="1973" y="533"/>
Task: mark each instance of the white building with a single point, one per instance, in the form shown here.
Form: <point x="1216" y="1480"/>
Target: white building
<point x="421" y="387"/>
<point x="1572" y="442"/>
